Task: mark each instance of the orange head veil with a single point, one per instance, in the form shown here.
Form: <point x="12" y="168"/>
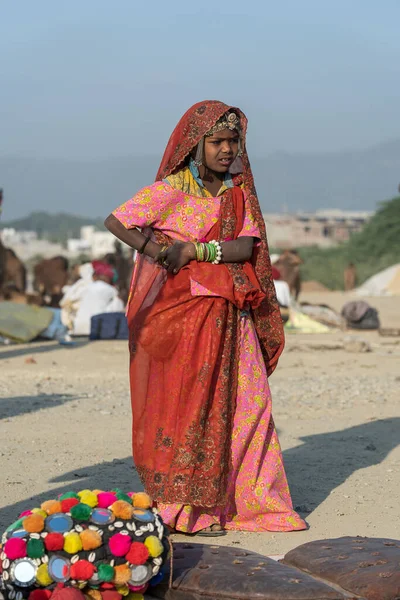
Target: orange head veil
<point x="192" y="127"/>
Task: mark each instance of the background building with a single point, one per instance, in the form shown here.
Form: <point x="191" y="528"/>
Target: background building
<point x="324" y="228"/>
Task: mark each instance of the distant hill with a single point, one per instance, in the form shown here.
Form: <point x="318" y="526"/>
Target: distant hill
<point x="56" y="228"/>
<point x="294" y="182"/>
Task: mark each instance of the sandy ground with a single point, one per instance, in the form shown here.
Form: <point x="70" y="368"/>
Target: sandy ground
<point x="65" y="423"/>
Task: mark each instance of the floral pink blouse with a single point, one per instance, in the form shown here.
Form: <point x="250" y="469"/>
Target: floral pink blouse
<point x="179" y="215"/>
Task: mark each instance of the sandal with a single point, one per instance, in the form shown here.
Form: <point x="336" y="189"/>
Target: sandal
<point x="211" y="532"/>
<point x="207" y="532"/>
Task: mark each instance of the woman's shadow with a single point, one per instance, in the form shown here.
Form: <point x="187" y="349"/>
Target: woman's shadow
<point x="326" y="460"/>
<point x="315" y="468"/>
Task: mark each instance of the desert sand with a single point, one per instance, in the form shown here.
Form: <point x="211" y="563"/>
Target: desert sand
<point x="65" y="423"/>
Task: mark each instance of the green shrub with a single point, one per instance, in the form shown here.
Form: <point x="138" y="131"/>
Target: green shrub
<point x="375" y="248"/>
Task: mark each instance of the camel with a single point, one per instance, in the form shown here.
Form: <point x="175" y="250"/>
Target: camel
<point x="288" y="265"/>
<point x="12" y="269"/>
<point x="50" y="276"/>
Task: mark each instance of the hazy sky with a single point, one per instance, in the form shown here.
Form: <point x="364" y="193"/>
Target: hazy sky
<point x="90" y="78"/>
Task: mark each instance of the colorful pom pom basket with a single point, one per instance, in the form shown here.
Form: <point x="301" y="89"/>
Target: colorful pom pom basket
<point x="94" y="541"/>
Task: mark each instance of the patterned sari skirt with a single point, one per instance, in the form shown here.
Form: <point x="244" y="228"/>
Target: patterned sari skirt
<point x="258" y="497"/>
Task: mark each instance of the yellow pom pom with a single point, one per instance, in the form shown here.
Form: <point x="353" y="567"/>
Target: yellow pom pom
<point x="72" y="543"/>
<point x="134" y="596"/>
<point x="88" y="497"/>
<point x="93" y="594"/>
<point x="142" y="500"/>
<point x="51" y="507"/>
<point x="39" y="511"/>
<point x="122" y="589"/>
<point x="122" y="510"/>
<point x="81" y="584"/>
<point x="154" y="546"/>
<point x="42" y="576"/>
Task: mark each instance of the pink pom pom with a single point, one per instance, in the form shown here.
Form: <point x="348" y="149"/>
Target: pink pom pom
<point x="26" y="513"/>
<point x="15" y="548"/>
<point x="130" y="494"/>
<point x="105" y="499"/>
<point x="138" y="588"/>
<point x="119" y="544"/>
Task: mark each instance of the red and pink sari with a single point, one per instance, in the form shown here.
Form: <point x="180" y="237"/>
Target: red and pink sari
<point x="202" y="344"/>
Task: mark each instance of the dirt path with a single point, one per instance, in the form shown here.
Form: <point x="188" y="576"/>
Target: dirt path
<point x="65" y="423"/>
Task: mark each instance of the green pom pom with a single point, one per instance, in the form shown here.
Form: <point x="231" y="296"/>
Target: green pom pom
<point x="105" y="572"/>
<point x="16" y="524"/>
<point x="69" y="495"/>
<point x="35" y="549"/>
<point x="122" y="496"/>
<point x="81" y="512"/>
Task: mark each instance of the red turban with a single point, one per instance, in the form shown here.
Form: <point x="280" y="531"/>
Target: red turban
<point x="103" y="269"/>
<point x="276" y="274"/>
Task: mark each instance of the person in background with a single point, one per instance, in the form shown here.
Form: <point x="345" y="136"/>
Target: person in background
<point x="282" y="288"/>
<point x="81" y="278"/>
<point x="205" y="333"/>
<point x="350" y="277"/>
<point x="99" y="296"/>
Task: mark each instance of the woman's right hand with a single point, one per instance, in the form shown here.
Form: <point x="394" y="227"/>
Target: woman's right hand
<point x="176" y="256"/>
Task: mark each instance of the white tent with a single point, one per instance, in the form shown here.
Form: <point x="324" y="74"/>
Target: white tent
<point x="385" y="283"/>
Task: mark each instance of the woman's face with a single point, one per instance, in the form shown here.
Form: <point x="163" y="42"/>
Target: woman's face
<point x="220" y="150"/>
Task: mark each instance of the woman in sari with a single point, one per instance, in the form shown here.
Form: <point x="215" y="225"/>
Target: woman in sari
<point x="205" y="334"/>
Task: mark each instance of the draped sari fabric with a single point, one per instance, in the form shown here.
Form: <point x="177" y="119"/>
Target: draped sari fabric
<point x="184" y="374"/>
<point x="185" y="347"/>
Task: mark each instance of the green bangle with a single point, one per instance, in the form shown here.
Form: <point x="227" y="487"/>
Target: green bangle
<point x="212" y="252"/>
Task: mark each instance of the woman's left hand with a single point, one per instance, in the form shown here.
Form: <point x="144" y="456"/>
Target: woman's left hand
<point x="176" y="256"/>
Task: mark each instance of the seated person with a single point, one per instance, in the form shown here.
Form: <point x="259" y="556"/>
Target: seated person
<point x="100" y="296"/>
<point x="281" y="288"/>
